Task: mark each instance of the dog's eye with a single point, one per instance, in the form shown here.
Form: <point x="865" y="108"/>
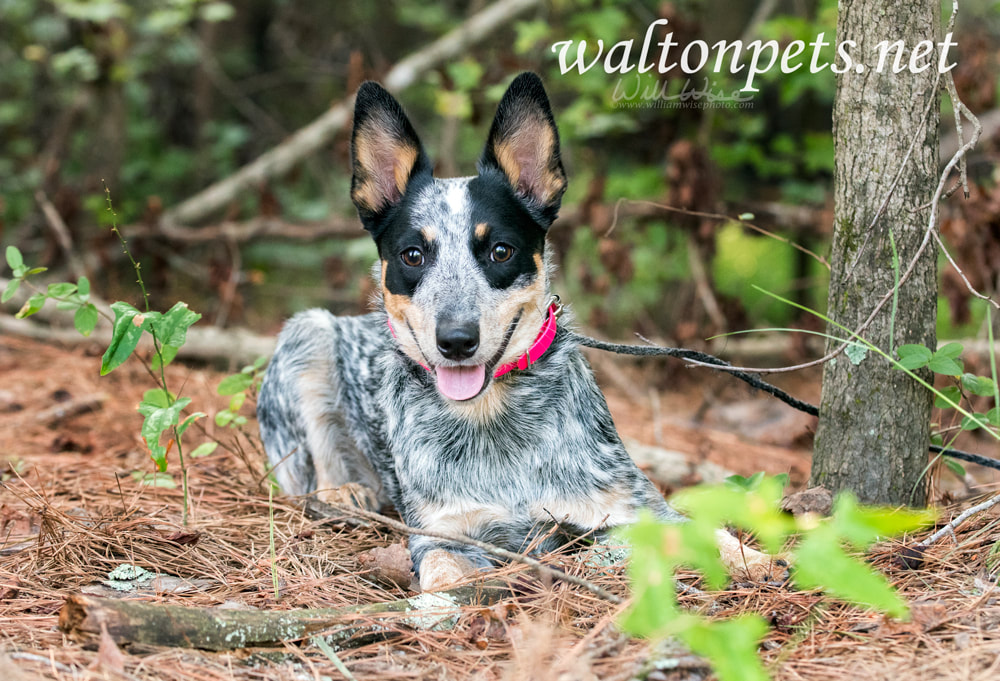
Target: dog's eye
<point x="501" y="253"/>
<point x="413" y="257"/>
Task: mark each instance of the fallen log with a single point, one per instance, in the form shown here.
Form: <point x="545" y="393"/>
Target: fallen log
<point x="134" y="622"/>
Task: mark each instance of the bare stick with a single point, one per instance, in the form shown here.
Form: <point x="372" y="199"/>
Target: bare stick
<point x="158" y="624"/>
<point x="306" y="140"/>
<point x="61" y="232"/>
<point x="541" y="568"/>
<point x="962" y="517"/>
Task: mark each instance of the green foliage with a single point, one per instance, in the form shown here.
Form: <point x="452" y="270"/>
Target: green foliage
<point x="819" y="561"/>
<point x="162" y="410"/>
<point x="246" y="382"/>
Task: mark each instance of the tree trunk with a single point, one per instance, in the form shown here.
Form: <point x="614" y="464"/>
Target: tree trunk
<point x="873" y="432"/>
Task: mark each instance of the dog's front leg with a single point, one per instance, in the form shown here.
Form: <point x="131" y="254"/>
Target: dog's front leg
<point x="438" y="565"/>
<point x="741" y="560"/>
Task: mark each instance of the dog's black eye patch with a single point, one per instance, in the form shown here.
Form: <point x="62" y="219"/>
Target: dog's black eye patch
<point x="506" y="241"/>
<point x="406" y="253"/>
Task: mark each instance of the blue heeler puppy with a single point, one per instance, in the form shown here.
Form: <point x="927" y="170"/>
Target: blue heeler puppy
<point x="461" y="401"/>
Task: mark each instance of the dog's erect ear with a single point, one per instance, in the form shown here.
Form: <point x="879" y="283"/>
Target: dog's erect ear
<point x="386" y="154"/>
<point x="524" y="145"/>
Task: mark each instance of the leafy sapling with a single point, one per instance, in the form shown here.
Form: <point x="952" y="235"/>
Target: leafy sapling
<point x="819" y="560"/>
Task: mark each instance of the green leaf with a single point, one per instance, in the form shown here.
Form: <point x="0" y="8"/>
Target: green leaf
<point x="946" y="366"/>
<point x="862" y="525"/>
<point x="912" y="356"/>
<point x="204" y="449"/>
<point x="993" y="416"/>
<point x="83" y="287"/>
<point x="746" y="216"/>
<point x="651" y="574"/>
<point x="954" y="466"/>
<point x="171" y="328"/>
<point x="128" y="327"/>
<point x="856" y="353"/>
<point x="978" y="385"/>
<point x="952" y="350"/>
<point x="85" y="319"/>
<point x="167" y="353"/>
<point x="31" y="306"/>
<point x="157" y="398"/>
<point x="259" y="362"/>
<point x="11" y="289"/>
<point x="820" y="562"/>
<point x="61" y="289"/>
<point x="188" y="421"/>
<point x="730" y="645"/>
<point x="158" y="420"/>
<point x="14" y="258"/>
<point x="158" y="479"/>
<point x="237" y="401"/>
<point x="952" y="392"/>
<point x="235" y="383"/>
<point x="224" y="417"/>
<point x="36" y="270"/>
<point x="975" y="421"/>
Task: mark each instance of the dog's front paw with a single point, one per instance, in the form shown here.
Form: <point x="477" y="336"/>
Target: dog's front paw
<point x="746" y="563"/>
<point x="350" y="494"/>
<point x="440" y="568"/>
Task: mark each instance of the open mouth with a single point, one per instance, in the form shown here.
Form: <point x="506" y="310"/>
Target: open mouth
<point x="461" y="383"/>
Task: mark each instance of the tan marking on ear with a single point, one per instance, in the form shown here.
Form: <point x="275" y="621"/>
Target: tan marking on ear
<point x="601" y="509"/>
<point x="430" y="233"/>
<point x="440" y="568"/>
<point x="375" y="150"/>
<point x="743" y="561"/>
<point x="524" y="157"/>
<point x="482" y="229"/>
<point x="406" y="158"/>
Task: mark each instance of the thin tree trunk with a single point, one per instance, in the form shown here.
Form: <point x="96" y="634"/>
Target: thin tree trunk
<point x="874" y="420"/>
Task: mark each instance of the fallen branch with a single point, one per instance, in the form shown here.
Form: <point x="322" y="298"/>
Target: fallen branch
<point x="282" y="158"/>
<point x="134" y="622"/>
<point x="64" y="410"/>
<point x="962" y="517"/>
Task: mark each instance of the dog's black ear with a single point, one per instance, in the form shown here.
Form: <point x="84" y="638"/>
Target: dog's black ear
<point x="524" y="145"/>
<point x="386" y="154"/>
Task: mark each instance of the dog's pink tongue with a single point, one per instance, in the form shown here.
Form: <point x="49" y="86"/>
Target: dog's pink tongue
<point x="460" y="383"/>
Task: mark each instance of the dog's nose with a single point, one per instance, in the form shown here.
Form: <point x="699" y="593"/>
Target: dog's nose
<point x="458" y="340"/>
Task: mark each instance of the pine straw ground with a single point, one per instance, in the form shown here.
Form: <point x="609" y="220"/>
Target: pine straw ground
<point x="70" y="512"/>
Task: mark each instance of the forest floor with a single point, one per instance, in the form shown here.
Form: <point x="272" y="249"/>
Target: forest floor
<point x="71" y="511"/>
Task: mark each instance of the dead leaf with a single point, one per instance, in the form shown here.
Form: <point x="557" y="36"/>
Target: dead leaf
<point x="181" y="537"/>
<point x="813" y="500"/>
<point x="390" y="564"/>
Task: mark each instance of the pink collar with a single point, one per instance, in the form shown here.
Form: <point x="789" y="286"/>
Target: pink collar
<point x="543" y="341"/>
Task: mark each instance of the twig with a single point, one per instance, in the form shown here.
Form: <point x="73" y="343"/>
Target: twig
<point x="962" y="517"/>
<point x="542" y="569"/>
<point x="282" y="158"/>
<point x="65" y="410"/>
<point x="61" y="232"/>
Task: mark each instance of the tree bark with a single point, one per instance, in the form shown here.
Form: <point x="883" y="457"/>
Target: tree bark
<point x="873" y="431"/>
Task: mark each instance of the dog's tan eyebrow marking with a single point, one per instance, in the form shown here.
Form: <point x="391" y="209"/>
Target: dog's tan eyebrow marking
<point x="482" y="229"/>
<point x="430" y="233"/>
